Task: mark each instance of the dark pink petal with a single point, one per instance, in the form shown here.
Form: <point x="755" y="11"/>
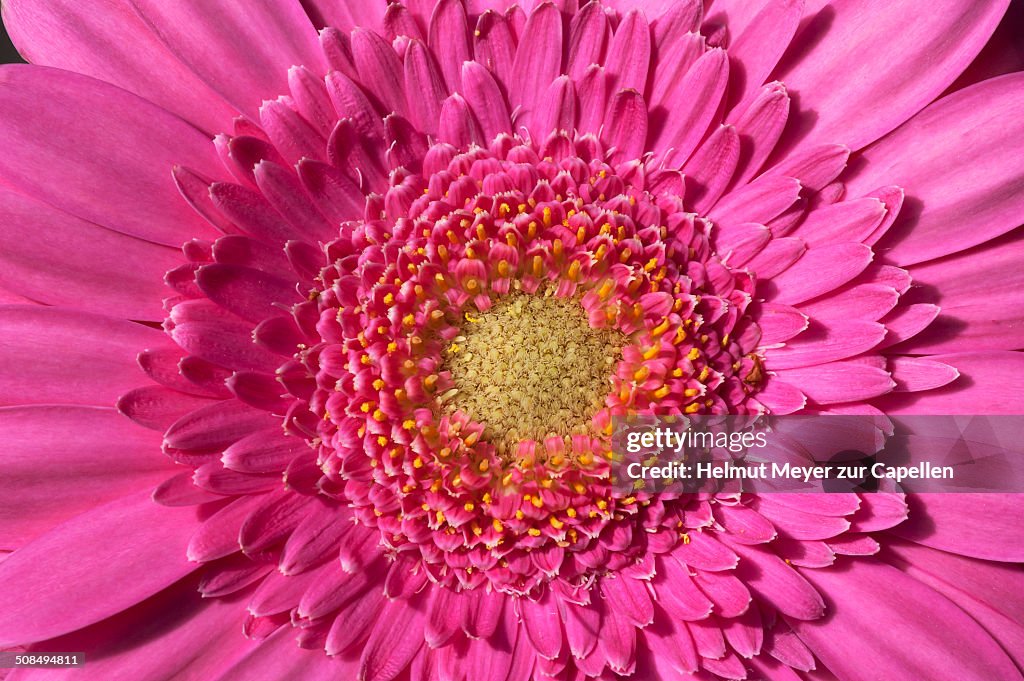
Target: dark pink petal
<point x="982" y="122"/>
<point x="626" y="129"/>
<point x="104" y="42"/>
<point x="459" y="126"/>
<point x="425" y="88"/>
<point x="538" y="58"/>
<point x="105" y="272"/>
<point x="157" y="407"/>
<point x="374" y="55"/>
<point x="853" y="92"/>
<point x="36" y="601"/>
<point x="980" y="309"/>
<point x="778" y="584"/>
<point x="315" y="537"/>
<point x="989" y="383"/>
<point x="249" y="293"/>
<point x="225" y="343"/>
<point x="277" y="658"/>
<point x="216" y="426"/>
<point x="99" y="178"/>
<point x="394" y="641"/>
<point x="543" y="625"/>
<point x="96" y="364"/>
<point x="629" y="55"/>
<point x="494" y="46"/>
<point x="486" y="100"/>
<point x="863" y="592"/>
<point x="975" y="525"/>
<point x="59" y="461"/>
<point x="449" y="40"/>
<point x="243" y="53"/>
<point x="588" y="40"/>
<point x="710" y="169"/>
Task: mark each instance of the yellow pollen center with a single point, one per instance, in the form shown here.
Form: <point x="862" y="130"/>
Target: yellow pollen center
<point x="532" y="367"/>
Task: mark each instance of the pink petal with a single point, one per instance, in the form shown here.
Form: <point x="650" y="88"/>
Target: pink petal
<point x="868" y="302"/>
<point x="853" y="92"/>
<point x="486" y="100"/>
<point x="101" y="178"/>
<point x="249" y="293"/>
<point x="629" y="55"/>
<point x="278" y="657"/>
<point x="976" y="525"/>
<point x="754" y="54"/>
<point x="103" y="42"/>
<point x="778" y="584"/>
<point x="980" y="310"/>
<point x="693" y="103"/>
<point x="863" y="593"/>
<point x="989" y="383"/>
<point x="980" y="124"/>
<point x="449" y="40"/>
<point x="539" y="57"/>
<point x="92" y="456"/>
<point x="915" y="373"/>
<point x="96" y="363"/>
<point x="819" y="271"/>
<point x="711" y="167"/>
<point x="826" y="343"/>
<point x="125" y="551"/>
<point x="849" y="381"/>
<point x="105" y="271"/>
<point x="243" y="53"/>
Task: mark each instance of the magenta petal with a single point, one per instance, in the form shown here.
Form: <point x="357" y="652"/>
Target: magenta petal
<point x="93" y="456"/>
<point x="975" y="525"/>
<point x="853" y="91"/>
<point x="242" y="52"/>
<point x="105" y="42"/>
<point x="124" y="552"/>
<point x="849" y="381"/>
<point x="980" y="310"/>
<point x="96" y="363"/>
<point x="863" y="593"/>
<point x="979" y="124"/>
<point x="989" y="383"/>
<point x="277" y="657"/>
<point x="105" y="272"/>
<point x="100" y="179"/>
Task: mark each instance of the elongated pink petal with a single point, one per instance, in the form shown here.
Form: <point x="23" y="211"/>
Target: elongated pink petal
<point x="983" y="119"/>
<point x="37" y="601"/>
<point x="106" y="272"/>
<point x="864" y="592"/>
<point x="97" y="454"/>
<point x="852" y="92"/>
<point x="96" y="365"/>
<point x="242" y="53"/>
<point x="104" y="42"/>
<point x="101" y="181"/>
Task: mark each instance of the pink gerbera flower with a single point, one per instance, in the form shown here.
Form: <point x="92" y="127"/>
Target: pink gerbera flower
<point x="372" y="282"/>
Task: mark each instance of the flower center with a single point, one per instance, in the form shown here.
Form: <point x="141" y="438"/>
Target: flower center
<point x="531" y="367"/>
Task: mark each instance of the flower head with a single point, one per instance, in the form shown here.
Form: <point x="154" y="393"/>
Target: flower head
<point x="424" y="275"/>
